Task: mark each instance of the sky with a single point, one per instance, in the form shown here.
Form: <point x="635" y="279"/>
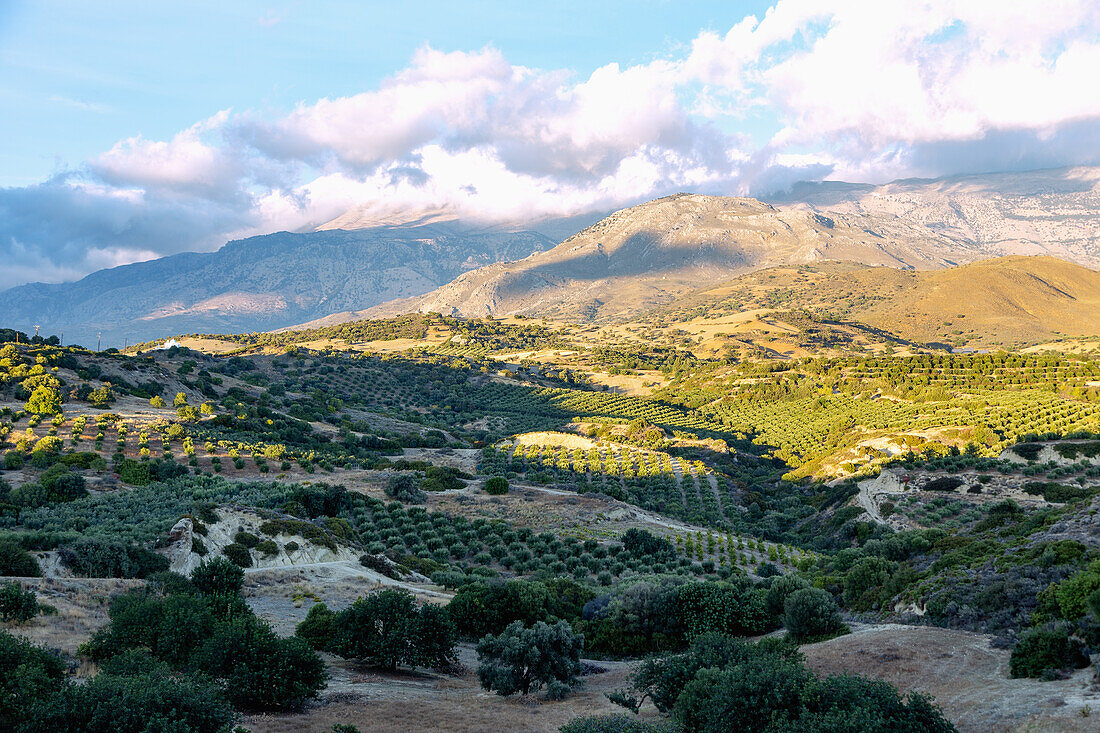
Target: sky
<point x="133" y="130"/>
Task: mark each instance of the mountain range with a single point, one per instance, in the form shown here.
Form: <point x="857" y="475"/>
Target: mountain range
<point x="262" y="283"/>
<point x="627" y="263"/>
<point x="649" y="255"/>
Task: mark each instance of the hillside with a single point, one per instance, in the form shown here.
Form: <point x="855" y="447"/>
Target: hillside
<point x="1008" y="301"/>
<point x="649" y="254"/>
<point x="262" y="282"/>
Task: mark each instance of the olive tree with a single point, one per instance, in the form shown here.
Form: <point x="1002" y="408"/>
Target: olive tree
<point x="523" y="659"/>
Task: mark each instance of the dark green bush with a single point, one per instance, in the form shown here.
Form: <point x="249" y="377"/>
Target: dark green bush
<point x="379" y="565"/>
<point x="728" y="608"/>
<point x="16" y="561"/>
<point x="943" y="483"/>
<point x="642" y="543"/>
<point x="496" y="485"/>
<point x="94" y="558"/>
<point x="484" y="608"/>
<point x="1027" y="451"/>
<point x="442" y="478"/>
<point x="781" y="587"/>
<point x="28" y="675"/>
<point x="218" y="577"/>
<point x="16" y="604"/>
<point x="810" y="613"/>
<point x="1041" y="651"/>
<point x="134" y="704"/>
<point x="261" y="671"/>
<point x="405" y="487"/>
<point x="215" y="634"/>
<point x="239" y="554"/>
<point x="318" y="627"/>
<point x="524" y="659"/>
<point x="267" y="548"/>
<point x="725" y="684"/>
<point x="387" y="628"/>
<point x="247" y="539"/>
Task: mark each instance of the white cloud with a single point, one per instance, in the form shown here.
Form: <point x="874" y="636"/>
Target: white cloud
<point x="856" y="89"/>
<point x="187" y="163"/>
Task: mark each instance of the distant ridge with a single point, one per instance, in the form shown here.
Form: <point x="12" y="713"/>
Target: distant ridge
<point x="261" y="283"/>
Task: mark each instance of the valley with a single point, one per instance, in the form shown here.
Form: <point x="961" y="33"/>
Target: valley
<point x="944" y="493"/>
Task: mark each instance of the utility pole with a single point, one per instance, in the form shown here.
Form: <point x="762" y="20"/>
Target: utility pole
<point x="36" y="330"/>
<point x="98" y="340"/>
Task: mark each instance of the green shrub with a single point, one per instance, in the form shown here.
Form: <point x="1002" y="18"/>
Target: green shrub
<point x="44" y="401"/>
<point x="16" y="604"/>
<point x="405" y="488"/>
<point x="810" y="613"/>
<point x="218" y="577"/>
<point x="442" y="478"/>
<point x="387" y="628"/>
<point x="1041" y="651"/>
<point x="260" y="670"/>
<point x="723" y="684"/>
<point x="781" y="587"/>
<point x="217" y="636"/>
<point x="13" y="460"/>
<point x="488" y="608"/>
<point x="379" y="565"/>
<point x="247" y="539"/>
<point x="523" y="659"/>
<point x="16" y="561"/>
<point x="496" y="485"/>
<point x="94" y="558"/>
<point x="318" y="627"/>
<point x="943" y="483"/>
<point x="135" y="473"/>
<point x="867" y="583"/>
<point x="1073" y="592"/>
<point x="738" y="609"/>
<point x="28" y="675"/>
<point x="134" y="704"/>
<point x="238" y="554"/>
<point x="267" y="548"/>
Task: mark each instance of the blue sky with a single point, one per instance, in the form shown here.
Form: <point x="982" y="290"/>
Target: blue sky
<point x="133" y="130"/>
<point x="75" y="77"/>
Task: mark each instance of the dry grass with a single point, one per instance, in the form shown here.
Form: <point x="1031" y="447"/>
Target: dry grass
<point x="431" y="702"/>
<point x="968" y="678"/>
<point x="81" y="605"/>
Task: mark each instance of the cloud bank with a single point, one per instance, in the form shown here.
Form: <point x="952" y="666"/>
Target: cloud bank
<point x="856" y="90"/>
